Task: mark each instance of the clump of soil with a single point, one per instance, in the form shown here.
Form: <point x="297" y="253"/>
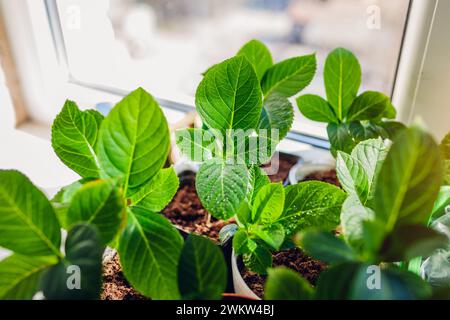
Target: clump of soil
<point x="187" y="212"/>
<point x="115" y="286"/>
<point x="294" y="259"/>
<point x="329" y="176"/>
<point x="284" y="162"/>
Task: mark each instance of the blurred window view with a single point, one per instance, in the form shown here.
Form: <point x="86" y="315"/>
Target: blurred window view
<point x="165" y="45"/>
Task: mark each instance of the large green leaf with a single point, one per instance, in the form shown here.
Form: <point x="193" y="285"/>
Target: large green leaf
<point x="290" y="76"/>
<point x="157" y="194"/>
<point x="445" y="150"/>
<point x="20" y="276"/>
<point x="316" y="108"/>
<point x="409" y="180"/>
<point x="269" y="203"/>
<point x="202" y="271"/>
<point x="149" y="250"/>
<point x="229" y="96"/>
<point x="352" y="176"/>
<point x="197" y="144"/>
<point x="285" y="284"/>
<point x="259" y="260"/>
<point x="340" y="138"/>
<point x="342" y="77"/>
<point x="100" y="203"/>
<point x="369" y="105"/>
<point x="28" y="224"/>
<point x="133" y="141"/>
<point x="258" y="55"/>
<point x="277" y="114"/>
<point x="74" y="136"/>
<point x="353" y="216"/>
<point x="222" y="187"/>
<point x="273" y="235"/>
<point x="312" y="204"/>
<point x="78" y="275"/>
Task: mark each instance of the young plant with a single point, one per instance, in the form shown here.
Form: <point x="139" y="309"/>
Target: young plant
<point x="351" y="118"/>
<point x="387" y="228"/>
<point x="244" y="105"/>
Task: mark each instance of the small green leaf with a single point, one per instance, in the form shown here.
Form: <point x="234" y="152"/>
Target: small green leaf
<point x="269" y="203"/>
<point x="157" y="194"/>
<point x="20" y="276"/>
<point x="197" y="144"/>
<point x="28" y="223"/>
<point x="277" y="114"/>
<point x="149" y="250"/>
<point x="369" y="105"/>
<point x="316" y="108"/>
<point x="258" y="55"/>
<point x="326" y="247"/>
<point x="312" y="204"/>
<point x="222" y="187"/>
<point x="258" y="179"/>
<point x="342" y="77"/>
<point x="78" y="275"/>
<point x="133" y="141"/>
<point x="202" y="271"/>
<point x="258" y="260"/>
<point x="289" y="77"/>
<point x="392" y="128"/>
<point x="99" y="203"/>
<point x="352" y="176"/>
<point x="74" y="136"/>
<point x="353" y="216"/>
<point x="229" y="96"/>
<point x="285" y="284"/>
<point x="441" y="203"/>
<point x="340" y="138"/>
<point x="240" y="242"/>
<point x="445" y="151"/>
<point x="273" y="235"/>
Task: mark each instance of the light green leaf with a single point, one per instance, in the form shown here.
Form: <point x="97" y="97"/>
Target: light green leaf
<point x="252" y="150"/>
<point x="269" y="203"/>
<point x="290" y="76"/>
<point x="134" y="141"/>
<point x="342" y="77"/>
<point x="74" y="136"/>
<point x="367" y="106"/>
<point x="229" y="96"/>
<point x="441" y="203"/>
<point x="258" y="179"/>
<point x="277" y="114"/>
<point x="258" y="260"/>
<point x="316" y="108"/>
<point x="340" y="138"/>
<point x="28" y="223"/>
<point x="20" y="276"/>
<point x="99" y="203"/>
<point x="157" y="194"/>
<point x="240" y="242"/>
<point x="78" y="275"/>
<point x="197" y="144"/>
<point x="258" y="55"/>
<point x="353" y="216"/>
<point x="409" y="180"/>
<point x="285" y="284"/>
<point x="352" y="176"/>
<point x="445" y="151"/>
<point x="149" y="250"/>
<point x="202" y="271"/>
<point x="273" y="235"/>
<point x="312" y="204"/>
<point x="222" y="187"/>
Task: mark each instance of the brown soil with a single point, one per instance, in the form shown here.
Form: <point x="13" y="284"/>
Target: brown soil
<point x="187" y="212"/>
<point x="328" y="176"/>
<point x="115" y="286"/>
<point x="284" y="162"/>
<point x="294" y="259"/>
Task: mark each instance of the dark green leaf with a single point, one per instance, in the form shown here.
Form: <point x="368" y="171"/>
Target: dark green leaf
<point x="340" y="138"/>
<point x="277" y="114"/>
<point x="316" y="108"/>
<point x="285" y="284"/>
<point x="369" y="105"/>
<point x="258" y="55"/>
<point x="392" y="128"/>
<point x="258" y="260"/>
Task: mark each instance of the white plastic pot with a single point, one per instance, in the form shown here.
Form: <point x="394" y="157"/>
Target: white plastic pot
<point x="311" y="161"/>
<point x="240" y="287"/>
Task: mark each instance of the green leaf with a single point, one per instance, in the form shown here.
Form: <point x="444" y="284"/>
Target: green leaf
<point x="202" y="271"/>
<point x="20" y="276"/>
<point x="78" y="275"/>
<point x="289" y="77"/>
<point x="222" y="187"/>
<point x="258" y="179"/>
<point x="441" y="203"/>
<point x="269" y="203"/>
<point x="157" y="194"/>
<point x="99" y="203"/>
<point x="277" y="114"/>
<point x="445" y="151"/>
<point x="326" y="247"/>
<point x="369" y="105"/>
<point x="197" y="144"/>
<point x="252" y="150"/>
<point x="229" y="96"/>
<point x="74" y="136"/>
<point x="353" y="216"/>
<point x="352" y="176"/>
<point x="134" y="141"/>
<point x="149" y="250"/>
<point x="390" y="112"/>
<point x="258" y="260"/>
<point x="342" y="77"/>
<point x="258" y="55"/>
<point x="312" y="204"/>
<point x="273" y="235"/>
<point x="409" y="180"/>
<point x="28" y="223"/>
<point x="361" y="131"/>
<point x="240" y="241"/>
<point x="391" y="128"/>
<point x="316" y="108"/>
<point x="340" y="138"/>
<point x="285" y="284"/>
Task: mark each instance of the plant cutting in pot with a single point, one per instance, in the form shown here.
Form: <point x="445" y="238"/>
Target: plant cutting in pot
<point x="380" y="228"/>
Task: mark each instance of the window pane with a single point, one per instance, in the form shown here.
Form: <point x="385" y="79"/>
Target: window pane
<point x="165" y="45"/>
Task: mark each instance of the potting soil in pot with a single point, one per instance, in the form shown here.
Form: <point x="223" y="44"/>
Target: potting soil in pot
<point x="285" y="163"/>
<point x="329" y="176"/>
